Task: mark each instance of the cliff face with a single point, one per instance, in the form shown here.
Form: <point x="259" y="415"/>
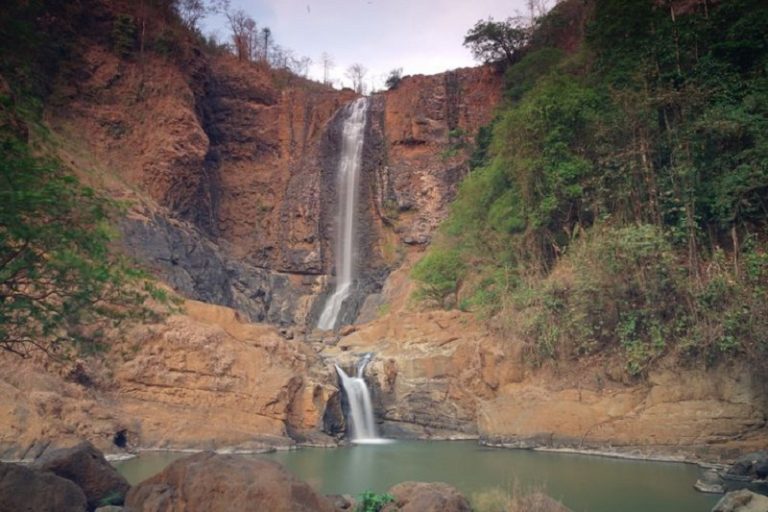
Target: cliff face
<point x="244" y="160"/>
<point x="429" y="124"/>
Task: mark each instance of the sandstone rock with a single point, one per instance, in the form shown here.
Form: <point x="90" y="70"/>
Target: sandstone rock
<point x="26" y="489"/>
<point x="86" y="466"/>
<point x="427" y="497"/>
<point x="207" y="482"/>
<point x="710" y="482"/>
<point x="742" y="501"/>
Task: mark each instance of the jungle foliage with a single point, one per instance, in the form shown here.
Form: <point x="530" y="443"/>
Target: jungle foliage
<point x="620" y="202"/>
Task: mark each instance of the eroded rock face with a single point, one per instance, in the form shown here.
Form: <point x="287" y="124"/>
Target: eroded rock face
<point x="207" y="482"/>
<point x="86" y="466"/>
<point x="22" y="488"/>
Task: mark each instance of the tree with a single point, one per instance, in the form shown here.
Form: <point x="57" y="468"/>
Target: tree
<point x="59" y="283"/>
<point x="394" y="77"/>
<point x="300" y="65"/>
<point x="266" y="37"/>
<point x="492" y="41"/>
<point x="356" y="72"/>
<point x="191" y="12"/>
<point x="328" y="64"/>
<point x="243" y="28"/>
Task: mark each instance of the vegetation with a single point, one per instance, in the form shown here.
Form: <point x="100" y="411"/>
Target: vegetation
<point x="60" y="286"/>
<point x="373" y="502"/>
<point x="497" y="41"/>
<point x="394" y="78"/>
<point x="618" y="202"/>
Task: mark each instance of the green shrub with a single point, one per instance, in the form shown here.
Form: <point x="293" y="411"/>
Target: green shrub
<point x="438" y="274"/>
<point x="373" y="502"/>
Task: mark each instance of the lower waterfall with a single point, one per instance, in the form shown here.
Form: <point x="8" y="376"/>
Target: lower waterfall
<point x="361" y="421"/>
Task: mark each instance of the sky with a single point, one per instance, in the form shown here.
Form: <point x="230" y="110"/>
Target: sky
<point x="420" y="36"/>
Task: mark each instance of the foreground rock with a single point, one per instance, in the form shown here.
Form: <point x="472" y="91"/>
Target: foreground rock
<point x="742" y="501"/>
<point x="86" y="466"/>
<point x="26" y="489"/>
<point x="208" y="482"/>
<point x="427" y="497"/>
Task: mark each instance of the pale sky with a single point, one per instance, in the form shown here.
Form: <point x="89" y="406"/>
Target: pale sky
<point x="420" y="36"/>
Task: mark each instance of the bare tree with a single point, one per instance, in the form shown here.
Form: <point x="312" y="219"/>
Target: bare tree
<point x="191" y="12"/>
<point x="243" y="27"/>
<point x="356" y="72"/>
<point x="328" y="64"/>
<point x="300" y="66"/>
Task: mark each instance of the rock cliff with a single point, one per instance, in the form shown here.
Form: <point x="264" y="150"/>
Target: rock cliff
<point x="237" y="156"/>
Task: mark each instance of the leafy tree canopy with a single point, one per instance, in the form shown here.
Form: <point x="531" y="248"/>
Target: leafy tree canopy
<point x="497" y="41"/>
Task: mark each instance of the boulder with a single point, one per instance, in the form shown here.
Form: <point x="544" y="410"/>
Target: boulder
<point x="427" y="497"/>
<point x="752" y="466"/>
<point x="207" y="482"/>
<point x="24" y="489"/>
<point x="86" y="466"/>
<point x="742" y="501"/>
<point x="710" y="482"/>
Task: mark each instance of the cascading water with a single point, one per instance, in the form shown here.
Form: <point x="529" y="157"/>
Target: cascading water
<point x="353" y="135"/>
<point x="363" y="426"/>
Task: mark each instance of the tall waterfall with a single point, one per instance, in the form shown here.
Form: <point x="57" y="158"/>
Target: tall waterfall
<point x="353" y="135"/>
<point x="363" y="426"/>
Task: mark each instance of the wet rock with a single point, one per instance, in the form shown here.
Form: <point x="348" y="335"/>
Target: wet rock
<point x="218" y="483"/>
<point x="710" y="482"/>
<point x="752" y="466"/>
<point x="742" y="501"/>
<point x="86" y="466"/>
<point x="427" y="497"/>
<point x="26" y="489"/>
<point x="200" y="269"/>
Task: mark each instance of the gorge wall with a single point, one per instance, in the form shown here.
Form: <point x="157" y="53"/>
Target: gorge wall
<point x="231" y="170"/>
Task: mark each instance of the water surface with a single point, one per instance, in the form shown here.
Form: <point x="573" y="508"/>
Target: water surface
<point x="582" y="482"/>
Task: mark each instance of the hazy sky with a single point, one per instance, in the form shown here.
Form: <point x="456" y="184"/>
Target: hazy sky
<point x="420" y="36"/>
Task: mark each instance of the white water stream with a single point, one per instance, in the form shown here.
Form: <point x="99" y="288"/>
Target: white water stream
<point x="363" y="426"/>
<point x="353" y="135"/>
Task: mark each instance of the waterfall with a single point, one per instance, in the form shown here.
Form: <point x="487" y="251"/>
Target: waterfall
<point x="353" y="135"/>
<point x="363" y="427"/>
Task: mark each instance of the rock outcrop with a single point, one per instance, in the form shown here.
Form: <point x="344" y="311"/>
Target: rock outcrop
<point x="203" y="379"/>
<point x="22" y="488"/>
<point x="218" y="483"/>
<point x="439" y="374"/>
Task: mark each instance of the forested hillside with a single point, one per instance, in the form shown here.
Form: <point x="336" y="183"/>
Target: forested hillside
<point x="619" y="202"/>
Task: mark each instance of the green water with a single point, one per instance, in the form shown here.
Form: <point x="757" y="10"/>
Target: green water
<point x="582" y="482"/>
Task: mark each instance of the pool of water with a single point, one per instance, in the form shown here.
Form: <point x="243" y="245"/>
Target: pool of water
<point x="584" y="483"/>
